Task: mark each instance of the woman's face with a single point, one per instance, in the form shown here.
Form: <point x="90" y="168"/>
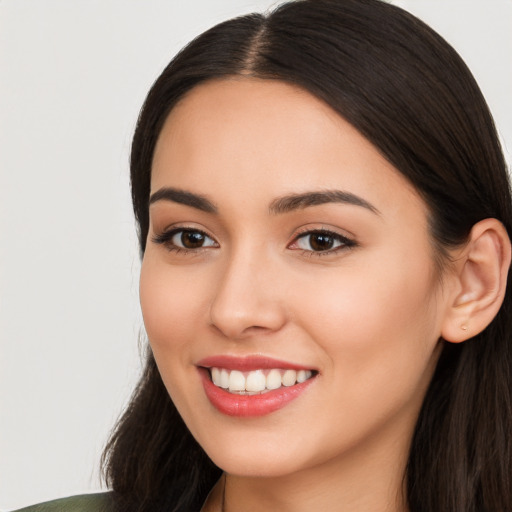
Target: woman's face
<point x="287" y="258"/>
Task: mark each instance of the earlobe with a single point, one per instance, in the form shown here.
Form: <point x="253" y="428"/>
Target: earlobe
<point x="481" y="278"/>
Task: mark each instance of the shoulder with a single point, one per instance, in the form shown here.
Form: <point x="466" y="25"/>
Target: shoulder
<point x="101" y="502"/>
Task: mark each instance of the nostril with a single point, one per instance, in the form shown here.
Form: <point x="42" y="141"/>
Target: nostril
<point x="235" y="333"/>
<point x="238" y="324"/>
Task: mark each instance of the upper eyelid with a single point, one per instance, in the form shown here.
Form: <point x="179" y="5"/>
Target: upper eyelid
<point x="332" y="234"/>
<point x="176" y="228"/>
<point x="165" y="236"/>
<point x="346" y="242"/>
<point x="306" y="230"/>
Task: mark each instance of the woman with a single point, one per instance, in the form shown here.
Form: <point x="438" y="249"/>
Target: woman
<point x="324" y="219"/>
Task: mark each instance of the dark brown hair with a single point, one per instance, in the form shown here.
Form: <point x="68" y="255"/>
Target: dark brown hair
<point x="408" y="92"/>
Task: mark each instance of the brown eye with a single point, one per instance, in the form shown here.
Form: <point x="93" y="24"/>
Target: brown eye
<point x="322" y="241"/>
<point x="191" y="239"/>
<point x="188" y="239"/>
<point x="185" y="239"/>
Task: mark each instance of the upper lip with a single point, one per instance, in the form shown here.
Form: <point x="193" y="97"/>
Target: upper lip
<point x="249" y="363"/>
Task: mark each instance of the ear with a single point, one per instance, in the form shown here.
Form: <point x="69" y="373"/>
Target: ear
<point x="481" y="270"/>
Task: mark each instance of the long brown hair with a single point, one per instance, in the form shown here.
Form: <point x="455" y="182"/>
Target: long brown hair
<point x="408" y="92"/>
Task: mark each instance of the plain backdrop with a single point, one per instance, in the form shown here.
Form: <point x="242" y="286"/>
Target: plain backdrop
<point x="73" y="74"/>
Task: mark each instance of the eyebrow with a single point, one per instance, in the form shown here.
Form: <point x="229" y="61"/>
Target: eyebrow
<point x="182" y="197"/>
<point x="300" y="201"/>
<point x="280" y="205"/>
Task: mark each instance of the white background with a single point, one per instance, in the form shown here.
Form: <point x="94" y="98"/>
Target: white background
<point x="73" y="74"/>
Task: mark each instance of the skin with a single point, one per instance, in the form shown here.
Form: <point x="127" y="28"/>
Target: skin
<point x="367" y="317"/>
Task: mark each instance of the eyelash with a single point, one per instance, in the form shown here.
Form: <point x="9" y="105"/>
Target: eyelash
<point x="345" y="242"/>
<point x="166" y="237"/>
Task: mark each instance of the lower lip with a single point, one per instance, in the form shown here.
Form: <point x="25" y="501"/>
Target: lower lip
<point x="246" y="406"/>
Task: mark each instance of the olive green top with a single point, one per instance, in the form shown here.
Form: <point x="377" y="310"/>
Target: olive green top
<point x="101" y="502"/>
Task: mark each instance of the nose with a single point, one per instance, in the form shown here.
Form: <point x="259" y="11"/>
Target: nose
<point x="247" y="301"/>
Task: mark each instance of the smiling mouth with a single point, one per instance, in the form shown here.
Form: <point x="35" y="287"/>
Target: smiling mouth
<point x="257" y="382"/>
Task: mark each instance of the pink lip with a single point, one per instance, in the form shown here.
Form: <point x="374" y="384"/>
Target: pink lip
<point x="233" y="404"/>
<point x="247" y="364"/>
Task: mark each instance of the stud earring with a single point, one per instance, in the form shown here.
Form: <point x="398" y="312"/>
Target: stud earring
<point x="464" y="327"/>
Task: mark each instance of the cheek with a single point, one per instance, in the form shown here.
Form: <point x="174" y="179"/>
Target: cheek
<point x="172" y="311"/>
<point x="170" y="303"/>
<point x="380" y="341"/>
<point x="377" y="329"/>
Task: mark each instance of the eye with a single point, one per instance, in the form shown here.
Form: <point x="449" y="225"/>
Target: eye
<point x="189" y="239"/>
<point x="321" y="241"/>
<point x="185" y="239"/>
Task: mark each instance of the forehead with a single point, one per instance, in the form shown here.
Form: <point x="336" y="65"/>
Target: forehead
<point x="266" y="135"/>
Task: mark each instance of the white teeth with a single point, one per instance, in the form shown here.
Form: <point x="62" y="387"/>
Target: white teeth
<point x="302" y="375"/>
<point x="289" y="378"/>
<point x="256" y="381"/>
<point x="236" y="381"/>
<point x="216" y="376"/>
<point x="274" y="379"/>
<point x="224" y="379"/>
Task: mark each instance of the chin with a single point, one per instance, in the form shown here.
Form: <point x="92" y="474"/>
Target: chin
<point x="256" y="467"/>
<point x="249" y="453"/>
